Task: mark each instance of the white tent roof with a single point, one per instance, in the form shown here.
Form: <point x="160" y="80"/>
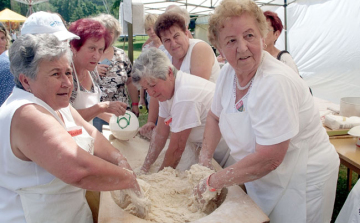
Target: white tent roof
<point x="198" y="7"/>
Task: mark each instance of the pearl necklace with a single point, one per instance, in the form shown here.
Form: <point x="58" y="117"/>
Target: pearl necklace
<point x="245" y="87"/>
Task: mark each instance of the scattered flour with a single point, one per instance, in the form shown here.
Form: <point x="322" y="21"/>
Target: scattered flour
<point x="170" y="193"/>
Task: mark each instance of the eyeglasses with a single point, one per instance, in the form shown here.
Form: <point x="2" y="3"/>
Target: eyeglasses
<point x="271" y="30"/>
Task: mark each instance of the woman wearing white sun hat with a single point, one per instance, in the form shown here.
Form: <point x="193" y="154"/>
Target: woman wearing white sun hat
<point x="45" y="22"/>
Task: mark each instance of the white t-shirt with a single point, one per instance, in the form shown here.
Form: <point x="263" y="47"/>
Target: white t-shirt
<point x="189" y="105"/>
<point x="288" y="60"/>
<point x="281" y="107"/>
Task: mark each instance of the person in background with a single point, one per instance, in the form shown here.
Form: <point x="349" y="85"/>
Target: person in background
<point x="185" y="100"/>
<point x="268" y="118"/>
<point x="152" y="41"/>
<point x="4" y="39"/>
<point x="349" y="212"/>
<point x="275" y="28"/>
<point x="87" y="52"/>
<point x="115" y="72"/>
<point x="184" y="13"/>
<point x="46" y="22"/>
<point x="6" y="79"/>
<point x="53" y="154"/>
<point x="191" y="56"/>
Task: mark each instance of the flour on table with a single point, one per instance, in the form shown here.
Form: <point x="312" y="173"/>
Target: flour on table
<point x="131" y="202"/>
<point x="170" y="193"/>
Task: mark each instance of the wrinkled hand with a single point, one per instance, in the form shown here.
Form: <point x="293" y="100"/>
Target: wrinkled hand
<point x="145" y="168"/>
<point x="199" y="190"/>
<point x="115" y="107"/>
<point x="102" y="69"/>
<point x="135" y="110"/>
<point x="147" y="129"/>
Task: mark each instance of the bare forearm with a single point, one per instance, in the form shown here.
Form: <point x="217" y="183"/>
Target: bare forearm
<point x="176" y="148"/>
<point x="172" y="157"/>
<point x="100" y="175"/>
<point x="212" y="136"/>
<point x="157" y="144"/>
<point x="153" y="110"/>
<point x="252" y="167"/>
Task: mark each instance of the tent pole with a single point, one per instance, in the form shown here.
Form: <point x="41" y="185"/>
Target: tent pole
<point x="285" y="23"/>
<point x="130" y="42"/>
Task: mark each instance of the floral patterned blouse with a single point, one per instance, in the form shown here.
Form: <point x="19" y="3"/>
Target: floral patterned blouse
<point x="113" y="84"/>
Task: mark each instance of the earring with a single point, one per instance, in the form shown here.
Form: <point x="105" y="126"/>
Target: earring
<point x="29" y="90"/>
<point x="265" y="46"/>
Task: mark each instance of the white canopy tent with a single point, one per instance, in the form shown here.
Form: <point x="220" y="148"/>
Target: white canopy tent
<point x="322" y="37"/>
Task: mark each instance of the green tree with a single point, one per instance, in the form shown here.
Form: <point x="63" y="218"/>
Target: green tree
<point x="4" y="4"/>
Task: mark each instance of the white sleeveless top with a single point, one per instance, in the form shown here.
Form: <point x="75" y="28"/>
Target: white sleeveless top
<point x="186" y="64"/>
<point x="17" y="175"/>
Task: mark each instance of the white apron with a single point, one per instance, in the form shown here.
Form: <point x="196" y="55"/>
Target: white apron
<point x="86" y="99"/>
<point x="57" y="201"/>
<point x="281" y="194"/>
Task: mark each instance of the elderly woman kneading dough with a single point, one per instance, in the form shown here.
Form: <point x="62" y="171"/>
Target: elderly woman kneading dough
<point x="267" y="116"/>
<point x="184" y="103"/>
<point x="49" y="153"/>
<point x="191" y="56"/>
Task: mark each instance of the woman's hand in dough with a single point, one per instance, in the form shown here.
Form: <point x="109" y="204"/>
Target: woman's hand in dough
<point x="115" y="107"/>
<point x="102" y="69"/>
<point x="145" y="167"/>
<point x="147" y="129"/>
<point x="199" y="190"/>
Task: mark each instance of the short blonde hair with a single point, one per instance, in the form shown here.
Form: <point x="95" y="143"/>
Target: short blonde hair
<point x="6" y="34"/>
<point x="110" y="23"/>
<point x="232" y="8"/>
<point x="150" y="20"/>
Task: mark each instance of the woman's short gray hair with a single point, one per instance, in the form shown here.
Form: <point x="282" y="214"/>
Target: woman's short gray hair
<point x="151" y="64"/>
<point x="29" y="50"/>
<point x="233" y="8"/>
<point x="110" y="23"/>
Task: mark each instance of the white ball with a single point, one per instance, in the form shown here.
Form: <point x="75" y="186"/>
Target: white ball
<point x="124" y="127"/>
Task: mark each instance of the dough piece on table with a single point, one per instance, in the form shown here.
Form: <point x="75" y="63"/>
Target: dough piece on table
<point x="129" y="201"/>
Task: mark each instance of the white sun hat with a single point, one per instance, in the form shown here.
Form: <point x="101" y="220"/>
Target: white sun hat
<point x="45" y="22"/>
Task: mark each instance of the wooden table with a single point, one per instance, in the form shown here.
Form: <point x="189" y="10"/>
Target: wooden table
<point x="245" y="209"/>
<point x="349" y="155"/>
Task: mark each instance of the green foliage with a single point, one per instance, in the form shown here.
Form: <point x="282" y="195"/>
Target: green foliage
<point x="4" y="4"/>
<point x="70" y="10"/>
